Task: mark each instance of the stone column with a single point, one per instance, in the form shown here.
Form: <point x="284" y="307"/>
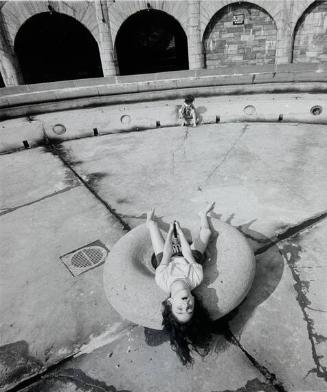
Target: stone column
<point x="9" y="66"/>
<point x="285" y="28"/>
<point x="9" y="69"/>
<point x="284" y="46"/>
<point x="105" y="40"/>
<point x="195" y="52"/>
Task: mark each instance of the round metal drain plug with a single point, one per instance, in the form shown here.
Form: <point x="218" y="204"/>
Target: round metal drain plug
<point x="249" y="110"/>
<point x="125" y="119"/>
<point x="316" y="110"/>
<point x="59" y="129"/>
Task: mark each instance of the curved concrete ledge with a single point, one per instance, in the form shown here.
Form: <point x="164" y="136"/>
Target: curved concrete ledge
<point x="53" y="101"/>
<point x="45" y="97"/>
<point x="88" y="122"/>
<point x="102" y="106"/>
<point x="131" y="289"/>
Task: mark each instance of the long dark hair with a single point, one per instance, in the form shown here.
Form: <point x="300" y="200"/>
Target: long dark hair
<point x="194" y="334"/>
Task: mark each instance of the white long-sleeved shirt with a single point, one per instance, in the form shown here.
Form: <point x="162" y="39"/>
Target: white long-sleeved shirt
<point x="178" y="268"/>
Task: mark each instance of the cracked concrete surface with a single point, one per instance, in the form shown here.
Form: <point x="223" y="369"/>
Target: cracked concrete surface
<point x="266" y="179"/>
<point x="304" y="254"/>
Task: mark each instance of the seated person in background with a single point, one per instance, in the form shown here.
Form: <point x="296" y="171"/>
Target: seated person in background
<point x="187" y="112"/>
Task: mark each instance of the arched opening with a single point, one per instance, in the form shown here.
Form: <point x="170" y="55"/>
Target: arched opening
<point x="151" y="41"/>
<point x="2" y="83"/>
<point x="310" y="35"/>
<point x="240" y="34"/>
<point x="51" y="46"/>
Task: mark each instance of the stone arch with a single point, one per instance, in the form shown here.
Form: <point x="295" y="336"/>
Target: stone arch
<point x="47" y="53"/>
<point x="310" y="35"/>
<point x="120" y="11"/>
<point x="151" y="41"/>
<point x="251" y="42"/>
<point x="16" y="13"/>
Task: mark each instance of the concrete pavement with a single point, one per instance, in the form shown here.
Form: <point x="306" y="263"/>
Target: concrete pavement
<point x="267" y="179"/>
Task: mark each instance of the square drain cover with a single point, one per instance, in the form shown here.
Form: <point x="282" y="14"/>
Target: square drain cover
<point x="85" y="258"/>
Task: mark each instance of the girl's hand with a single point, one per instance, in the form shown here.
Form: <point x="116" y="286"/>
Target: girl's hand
<point x="178" y="228"/>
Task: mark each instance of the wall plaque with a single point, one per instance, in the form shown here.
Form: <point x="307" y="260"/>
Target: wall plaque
<point x="238" y="19"/>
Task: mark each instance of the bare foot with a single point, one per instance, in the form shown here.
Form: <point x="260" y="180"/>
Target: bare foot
<point x="208" y="208"/>
<point x="150" y="217"/>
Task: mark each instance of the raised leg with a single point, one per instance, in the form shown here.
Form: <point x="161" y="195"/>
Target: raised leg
<point x="194" y="119"/>
<point x="155" y="233"/>
<point x="201" y="241"/>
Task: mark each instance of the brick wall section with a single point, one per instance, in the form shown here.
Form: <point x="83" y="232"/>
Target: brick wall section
<point x="310" y="42"/>
<point x="254" y="42"/>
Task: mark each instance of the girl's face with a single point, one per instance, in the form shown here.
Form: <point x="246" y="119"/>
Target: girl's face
<point x="182" y="305"/>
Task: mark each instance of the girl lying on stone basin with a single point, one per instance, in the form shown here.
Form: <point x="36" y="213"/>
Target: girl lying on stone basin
<point x="179" y="271"/>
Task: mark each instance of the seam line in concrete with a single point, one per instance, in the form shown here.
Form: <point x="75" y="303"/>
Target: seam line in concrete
<point x="56" y="151"/>
<point x="47" y="372"/>
<point x="28" y="382"/>
<point x="302" y="300"/>
<point x="299" y="286"/>
<point x="270" y="377"/>
<point x="291" y="231"/>
<point x="214" y="170"/>
<point x="11" y="209"/>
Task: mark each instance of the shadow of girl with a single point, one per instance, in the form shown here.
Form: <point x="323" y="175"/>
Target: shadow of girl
<point x="269" y="271"/>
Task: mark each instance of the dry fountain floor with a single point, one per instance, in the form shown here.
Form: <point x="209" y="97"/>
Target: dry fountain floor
<point x="267" y="179"/>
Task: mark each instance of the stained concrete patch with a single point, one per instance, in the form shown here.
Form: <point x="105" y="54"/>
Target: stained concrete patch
<point x="306" y="257"/>
<point x="56" y="312"/>
<point x="254" y="385"/>
<point x="16" y="363"/>
<point x="270" y="173"/>
<point x="30" y="176"/>
<point x="274" y="331"/>
<point x="53" y="313"/>
<point x="130" y="364"/>
<point x="264" y="178"/>
<point x="69" y="380"/>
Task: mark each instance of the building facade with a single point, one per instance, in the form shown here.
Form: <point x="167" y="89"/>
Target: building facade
<point x="44" y="41"/>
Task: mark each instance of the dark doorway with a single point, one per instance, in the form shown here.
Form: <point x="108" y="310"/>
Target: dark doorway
<point x="2" y="83"/>
<point x="151" y="41"/>
<point x="54" y="46"/>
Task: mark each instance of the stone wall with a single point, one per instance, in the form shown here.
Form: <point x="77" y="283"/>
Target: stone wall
<point x="253" y="41"/>
<point x="271" y="30"/>
<point x="310" y="43"/>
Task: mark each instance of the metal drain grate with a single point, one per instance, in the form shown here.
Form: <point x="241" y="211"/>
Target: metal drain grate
<point x="85" y="258"/>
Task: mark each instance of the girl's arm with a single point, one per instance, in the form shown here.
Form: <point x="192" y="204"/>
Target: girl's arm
<point x="186" y="249"/>
<point x="168" y="250"/>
